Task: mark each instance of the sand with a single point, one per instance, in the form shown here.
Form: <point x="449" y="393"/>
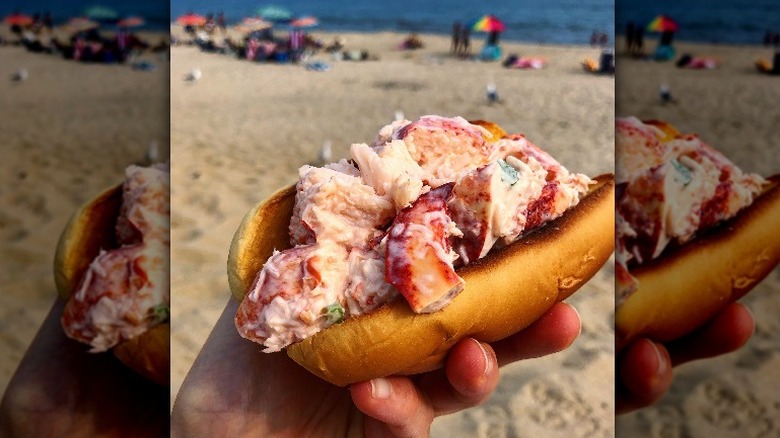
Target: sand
<point x="734" y="109"/>
<point x="68" y="132"/>
<point x="243" y="130"/>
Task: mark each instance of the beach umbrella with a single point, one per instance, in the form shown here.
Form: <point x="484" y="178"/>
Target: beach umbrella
<point x="133" y="21"/>
<point x="488" y="23"/>
<point x="274" y="13"/>
<point x="100" y="13"/>
<point x="77" y="24"/>
<point x="252" y="24"/>
<point x="663" y="23"/>
<point x="18" y="19"/>
<point x="191" y="19"/>
<point x="307" y="21"/>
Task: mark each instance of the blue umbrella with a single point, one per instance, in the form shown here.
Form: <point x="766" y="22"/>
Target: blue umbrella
<point x="101" y="13"/>
<point x="274" y="13"/>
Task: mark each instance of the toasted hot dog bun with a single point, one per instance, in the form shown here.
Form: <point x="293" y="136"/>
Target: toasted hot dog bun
<point x="682" y="289"/>
<point x="505" y="291"/>
<point x="89" y="229"/>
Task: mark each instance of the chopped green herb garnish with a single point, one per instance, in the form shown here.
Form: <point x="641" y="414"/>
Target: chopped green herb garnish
<point x="509" y="174"/>
<point x="683" y="171"/>
<point x="333" y="313"/>
<point x="161" y="313"/>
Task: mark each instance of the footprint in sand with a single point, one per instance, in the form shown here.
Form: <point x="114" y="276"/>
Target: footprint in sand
<point x="661" y="422"/>
<point x="555" y="407"/>
<point x="207" y="203"/>
<point x="733" y="410"/>
<point x="490" y="422"/>
<point x="11" y="228"/>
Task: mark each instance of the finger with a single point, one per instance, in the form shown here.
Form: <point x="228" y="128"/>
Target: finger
<point x="726" y="332"/>
<point x="393" y="406"/>
<point x="469" y="377"/>
<point x="644" y="375"/>
<point x="553" y="332"/>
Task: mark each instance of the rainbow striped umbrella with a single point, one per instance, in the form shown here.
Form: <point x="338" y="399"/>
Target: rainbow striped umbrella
<point x="488" y="23"/>
<point x="663" y="23"/>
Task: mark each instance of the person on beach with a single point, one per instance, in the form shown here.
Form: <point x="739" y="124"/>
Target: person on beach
<point x="645" y="369"/>
<point x="465" y="41"/>
<point x="630" y="38"/>
<point x="262" y="394"/>
<point x="456" y="42"/>
<point x="221" y="24"/>
<point x="603" y="40"/>
<point x="639" y="41"/>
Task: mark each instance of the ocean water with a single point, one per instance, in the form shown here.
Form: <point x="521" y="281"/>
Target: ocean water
<point x="549" y="21"/>
<point x="712" y="21"/>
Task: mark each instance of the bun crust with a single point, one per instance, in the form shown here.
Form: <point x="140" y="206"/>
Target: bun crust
<point x="505" y="291"/>
<point x="91" y="228"/>
<point x="684" y="288"/>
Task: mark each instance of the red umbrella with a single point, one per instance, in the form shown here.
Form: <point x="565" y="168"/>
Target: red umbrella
<point x="488" y="23"/>
<point x="663" y="23"/>
<point x="191" y="20"/>
<point x="18" y="20"/>
<point x="131" y="22"/>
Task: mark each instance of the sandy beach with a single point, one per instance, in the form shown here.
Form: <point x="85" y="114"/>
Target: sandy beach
<point x="244" y="129"/>
<point x="69" y="131"/>
<point x="733" y="108"/>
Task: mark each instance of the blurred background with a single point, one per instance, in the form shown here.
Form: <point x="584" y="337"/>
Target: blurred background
<point x="83" y="94"/>
<point x="711" y="70"/>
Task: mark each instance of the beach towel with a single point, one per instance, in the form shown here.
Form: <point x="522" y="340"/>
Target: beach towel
<point x="528" y="63"/>
<point x="698" y="62"/>
<point x="317" y="66"/>
<point x="143" y="66"/>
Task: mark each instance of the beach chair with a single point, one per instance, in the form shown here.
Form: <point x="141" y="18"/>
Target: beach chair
<point x="769" y="67"/>
<point x="763" y="66"/>
<point x="590" y="65"/>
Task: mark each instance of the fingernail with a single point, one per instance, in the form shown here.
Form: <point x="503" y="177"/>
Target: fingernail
<point x="661" y="369"/>
<point x="488" y="363"/>
<point x="579" y="332"/>
<point x="752" y="317"/>
<point x="381" y="388"/>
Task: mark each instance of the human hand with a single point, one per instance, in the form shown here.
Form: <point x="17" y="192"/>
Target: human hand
<point x="60" y="389"/>
<point x="644" y="368"/>
<point x="233" y="389"/>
